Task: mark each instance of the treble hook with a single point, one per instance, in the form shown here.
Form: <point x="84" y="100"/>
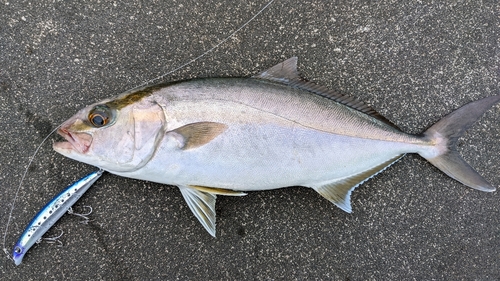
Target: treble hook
<point x="52" y="240"/>
<point x="84" y="216"/>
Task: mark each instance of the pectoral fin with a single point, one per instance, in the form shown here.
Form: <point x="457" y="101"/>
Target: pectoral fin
<point x="339" y="191"/>
<point x="197" y="134"/>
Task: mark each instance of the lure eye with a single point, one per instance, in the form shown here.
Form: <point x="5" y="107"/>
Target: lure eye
<point x="17" y="250"/>
<point x="101" y="116"/>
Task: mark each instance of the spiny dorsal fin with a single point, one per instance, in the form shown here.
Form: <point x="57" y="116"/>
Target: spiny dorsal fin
<point x="339" y="192"/>
<point x="286" y="73"/>
<point x="202" y="204"/>
<point x="197" y="134"/>
<point x="283" y="72"/>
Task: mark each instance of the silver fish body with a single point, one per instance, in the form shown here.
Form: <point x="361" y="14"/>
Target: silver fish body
<point x="228" y="135"/>
<point x="302" y="142"/>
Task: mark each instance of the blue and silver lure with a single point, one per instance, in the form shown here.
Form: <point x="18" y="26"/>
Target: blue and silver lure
<point x="52" y="212"/>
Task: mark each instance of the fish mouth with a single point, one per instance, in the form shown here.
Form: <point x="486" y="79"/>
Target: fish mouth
<point x="74" y="141"/>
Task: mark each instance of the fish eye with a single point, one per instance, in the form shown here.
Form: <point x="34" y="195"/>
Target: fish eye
<point x="100" y="116"/>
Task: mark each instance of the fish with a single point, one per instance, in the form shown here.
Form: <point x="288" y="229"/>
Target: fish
<point x="51" y="213"/>
<point x="229" y="136"/>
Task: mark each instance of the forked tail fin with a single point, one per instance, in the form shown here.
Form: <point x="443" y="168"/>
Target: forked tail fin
<point x="445" y="134"/>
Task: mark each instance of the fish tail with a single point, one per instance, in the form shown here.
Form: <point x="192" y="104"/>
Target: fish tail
<point x="445" y="133"/>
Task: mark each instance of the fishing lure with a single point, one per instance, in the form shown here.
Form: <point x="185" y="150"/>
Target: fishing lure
<point x="50" y="213"/>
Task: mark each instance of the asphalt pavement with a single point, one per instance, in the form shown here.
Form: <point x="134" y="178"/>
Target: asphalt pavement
<point x="413" y="61"/>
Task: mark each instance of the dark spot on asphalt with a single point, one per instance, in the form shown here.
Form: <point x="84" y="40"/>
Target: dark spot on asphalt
<point x="42" y="125"/>
<point x="242" y="231"/>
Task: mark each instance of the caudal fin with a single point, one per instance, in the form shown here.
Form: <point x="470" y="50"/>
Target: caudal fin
<point x="445" y="134"/>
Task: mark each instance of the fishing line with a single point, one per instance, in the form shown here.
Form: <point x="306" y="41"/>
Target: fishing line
<point x="19" y="188"/>
<point x="142" y="85"/>
<point x="210" y="50"/>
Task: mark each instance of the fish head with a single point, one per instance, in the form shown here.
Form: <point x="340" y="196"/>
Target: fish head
<point x="119" y="135"/>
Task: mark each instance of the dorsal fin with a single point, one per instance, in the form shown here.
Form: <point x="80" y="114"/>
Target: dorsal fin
<point x="283" y="72"/>
<point x="286" y="73"/>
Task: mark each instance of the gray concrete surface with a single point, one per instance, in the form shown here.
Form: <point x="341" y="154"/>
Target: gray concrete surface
<point x="414" y="61"/>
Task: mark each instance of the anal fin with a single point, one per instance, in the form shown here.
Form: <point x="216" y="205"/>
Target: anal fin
<point x="339" y="191"/>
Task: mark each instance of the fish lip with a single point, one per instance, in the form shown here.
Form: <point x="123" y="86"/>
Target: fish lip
<point x="77" y="141"/>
